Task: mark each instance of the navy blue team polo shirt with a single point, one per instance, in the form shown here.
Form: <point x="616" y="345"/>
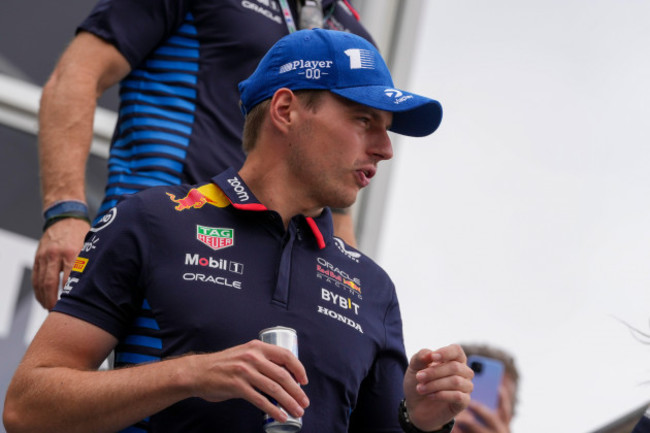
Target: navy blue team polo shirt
<point x="182" y="269"/>
<point x="179" y="118"/>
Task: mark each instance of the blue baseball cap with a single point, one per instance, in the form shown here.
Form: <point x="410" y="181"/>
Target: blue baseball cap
<point x="344" y="64"/>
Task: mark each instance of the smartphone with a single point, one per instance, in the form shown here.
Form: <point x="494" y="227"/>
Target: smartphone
<point x="488" y="373"/>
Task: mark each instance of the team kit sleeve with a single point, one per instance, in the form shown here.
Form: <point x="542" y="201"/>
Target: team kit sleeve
<point x="382" y="390"/>
<point x="105" y="287"/>
<point x="135" y="27"/>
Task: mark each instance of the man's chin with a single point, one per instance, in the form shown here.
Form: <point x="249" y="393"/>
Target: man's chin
<point x="344" y="203"/>
<point x="341" y="199"/>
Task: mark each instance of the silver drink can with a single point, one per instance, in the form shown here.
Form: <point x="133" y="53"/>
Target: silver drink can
<point x="287" y="338"/>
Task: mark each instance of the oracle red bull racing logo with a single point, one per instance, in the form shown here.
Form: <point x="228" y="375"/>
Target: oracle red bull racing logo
<point x="338" y="277"/>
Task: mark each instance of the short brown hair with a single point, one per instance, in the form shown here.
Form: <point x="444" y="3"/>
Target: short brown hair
<point x="255" y="118"/>
<point x="253" y="124"/>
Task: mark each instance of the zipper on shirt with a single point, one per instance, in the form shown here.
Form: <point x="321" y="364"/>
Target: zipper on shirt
<point x="281" y="292"/>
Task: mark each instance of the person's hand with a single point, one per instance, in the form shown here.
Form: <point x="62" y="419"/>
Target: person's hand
<point x="57" y="250"/>
<point x="437" y="386"/>
<point x="478" y="418"/>
<point x="253" y="371"/>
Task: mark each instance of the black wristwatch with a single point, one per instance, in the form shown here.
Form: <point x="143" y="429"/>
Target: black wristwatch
<point x="408" y="426"/>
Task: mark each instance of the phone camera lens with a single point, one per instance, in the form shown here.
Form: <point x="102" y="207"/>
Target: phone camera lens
<point x="476" y="366"/>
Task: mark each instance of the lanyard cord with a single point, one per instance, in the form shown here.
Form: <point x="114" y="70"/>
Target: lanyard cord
<point x="329" y="13"/>
<point x="288" y="18"/>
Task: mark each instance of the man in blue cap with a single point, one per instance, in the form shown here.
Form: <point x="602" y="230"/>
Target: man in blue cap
<point x="176" y="123"/>
<point x="180" y="280"/>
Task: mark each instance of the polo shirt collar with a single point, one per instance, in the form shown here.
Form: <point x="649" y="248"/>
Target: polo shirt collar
<point x="242" y="198"/>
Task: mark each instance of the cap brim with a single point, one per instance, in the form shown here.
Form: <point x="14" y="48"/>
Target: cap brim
<point x="413" y="115"/>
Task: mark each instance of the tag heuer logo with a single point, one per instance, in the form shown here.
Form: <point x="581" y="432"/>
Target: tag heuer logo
<point x="215" y="237"/>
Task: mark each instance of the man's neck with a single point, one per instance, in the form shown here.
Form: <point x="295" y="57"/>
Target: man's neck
<point x="274" y="188"/>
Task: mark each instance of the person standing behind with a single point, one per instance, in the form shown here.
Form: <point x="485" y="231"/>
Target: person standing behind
<point x="181" y="279"/>
<point x="178" y="63"/>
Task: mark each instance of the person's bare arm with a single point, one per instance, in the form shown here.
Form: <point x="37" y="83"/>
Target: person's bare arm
<point x="57" y="388"/>
<point x="86" y="69"/>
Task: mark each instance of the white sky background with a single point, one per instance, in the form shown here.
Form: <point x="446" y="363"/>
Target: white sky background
<point x="524" y="221"/>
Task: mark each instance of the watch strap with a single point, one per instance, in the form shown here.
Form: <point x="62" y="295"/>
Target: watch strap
<point x="408" y="427"/>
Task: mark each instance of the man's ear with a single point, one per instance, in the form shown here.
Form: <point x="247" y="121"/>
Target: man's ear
<point x="282" y="104"/>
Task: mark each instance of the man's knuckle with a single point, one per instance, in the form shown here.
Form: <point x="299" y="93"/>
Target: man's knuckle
<point x="241" y="369"/>
<point x="255" y="344"/>
<point x="457" y="382"/>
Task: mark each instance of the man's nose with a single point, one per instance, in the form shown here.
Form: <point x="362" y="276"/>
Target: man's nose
<point x="383" y="147"/>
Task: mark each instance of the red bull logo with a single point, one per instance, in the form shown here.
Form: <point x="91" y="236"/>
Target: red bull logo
<point x="193" y="199"/>
<point x="197" y="197"/>
<point x="351" y="284"/>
